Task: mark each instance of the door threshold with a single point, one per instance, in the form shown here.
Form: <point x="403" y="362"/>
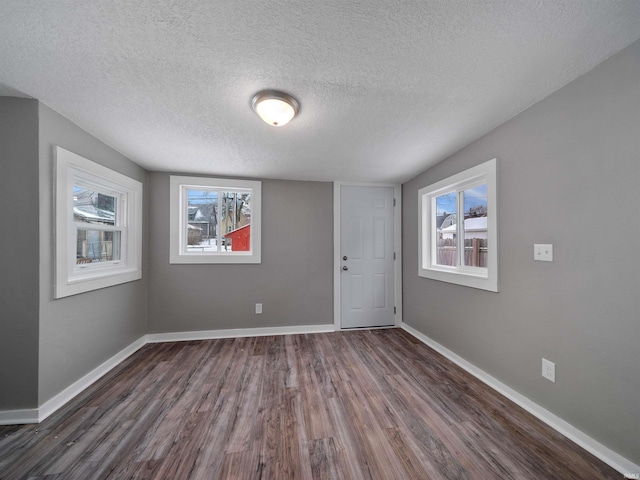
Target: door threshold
<point x="344" y="329"/>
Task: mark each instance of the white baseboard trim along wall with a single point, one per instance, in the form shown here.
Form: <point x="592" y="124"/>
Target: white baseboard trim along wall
<point x="19" y="417"/>
<point x="236" y="333"/>
<point x="592" y="446"/>
<point x="37" y="415"/>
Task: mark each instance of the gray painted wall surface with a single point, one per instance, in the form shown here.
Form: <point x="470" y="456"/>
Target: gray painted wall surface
<point x="294" y="282"/>
<point x="569" y="174"/>
<point x="80" y="332"/>
<point x="18" y="253"/>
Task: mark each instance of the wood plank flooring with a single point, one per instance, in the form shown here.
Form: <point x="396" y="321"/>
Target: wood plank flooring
<point x="368" y="404"/>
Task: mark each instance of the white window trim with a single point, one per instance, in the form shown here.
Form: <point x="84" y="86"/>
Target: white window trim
<point x="177" y="189"/>
<point x="485" y="279"/>
<point x="70" y="278"/>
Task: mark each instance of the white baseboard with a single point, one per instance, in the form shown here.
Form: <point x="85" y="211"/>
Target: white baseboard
<point x="236" y="333"/>
<point x="37" y="415"/>
<point x="18" y="417"/>
<point x="592" y="446"/>
<point x="76" y="388"/>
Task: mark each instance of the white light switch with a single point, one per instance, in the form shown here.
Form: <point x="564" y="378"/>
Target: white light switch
<point x="543" y="252"/>
<point x="258" y="309"/>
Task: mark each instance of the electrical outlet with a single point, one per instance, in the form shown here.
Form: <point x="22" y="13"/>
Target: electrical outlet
<point x="543" y="252"/>
<point x="258" y="308"/>
<point x="549" y="370"/>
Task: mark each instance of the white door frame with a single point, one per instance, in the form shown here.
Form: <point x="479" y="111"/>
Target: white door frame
<point x="397" y="240"/>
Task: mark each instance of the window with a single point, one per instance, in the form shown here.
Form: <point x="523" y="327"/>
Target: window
<point x="214" y="220"/>
<point x="98" y="226"/>
<point x="458" y="229"/>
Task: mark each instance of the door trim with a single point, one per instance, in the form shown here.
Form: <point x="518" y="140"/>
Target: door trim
<point x="397" y="241"/>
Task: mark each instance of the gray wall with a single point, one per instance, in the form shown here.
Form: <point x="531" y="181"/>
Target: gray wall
<point x="18" y="253"/>
<point x="80" y="332"/>
<point x="569" y="174"/>
<point x="294" y="282"/>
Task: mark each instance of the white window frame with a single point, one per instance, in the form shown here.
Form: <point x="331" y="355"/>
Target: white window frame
<point x="178" y="186"/>
<point x="475" y="277"/>
<point x="71" y="278"/>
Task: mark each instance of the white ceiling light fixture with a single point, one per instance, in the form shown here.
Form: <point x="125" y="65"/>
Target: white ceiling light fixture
<point x="274" y="107"/>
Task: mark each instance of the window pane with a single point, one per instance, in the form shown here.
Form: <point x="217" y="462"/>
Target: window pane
<point x="446" y="229"/>
<point x="90" y="206"/>
<point x="202" y="220"/>
<point x="95" y="246"/>
<point x="475" y="226"/>
<point x="236" y="221"/>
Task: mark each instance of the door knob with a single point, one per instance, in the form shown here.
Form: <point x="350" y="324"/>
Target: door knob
<point x="345" y="268"/>
<point x="344" y="258"/>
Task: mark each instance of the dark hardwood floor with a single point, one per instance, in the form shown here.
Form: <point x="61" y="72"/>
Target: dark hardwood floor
<point x="353" y="405"/>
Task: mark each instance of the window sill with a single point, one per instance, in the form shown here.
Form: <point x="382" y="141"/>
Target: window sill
<point x="75" y="286"/>
<point x="464" y="278"/>
<point x="224" y="258"/>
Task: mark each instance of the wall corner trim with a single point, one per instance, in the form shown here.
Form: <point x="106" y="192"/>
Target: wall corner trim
<point x="608" y="456"/>
<point x="37" y="415"/>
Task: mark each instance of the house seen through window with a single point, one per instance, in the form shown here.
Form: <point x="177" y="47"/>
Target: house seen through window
<point x="213" y="215"/>
<point x="98" y="233"/>
<point x="472" y="202"/>
<point x="214" y="220"/>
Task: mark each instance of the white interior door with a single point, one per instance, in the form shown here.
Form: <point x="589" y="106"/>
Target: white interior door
<point x="366" y="257"/>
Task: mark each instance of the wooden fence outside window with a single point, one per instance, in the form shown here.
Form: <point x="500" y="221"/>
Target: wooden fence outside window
<point x="475" y="252"/>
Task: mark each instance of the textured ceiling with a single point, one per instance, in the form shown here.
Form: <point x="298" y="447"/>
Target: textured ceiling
<point x="386" y="87"/>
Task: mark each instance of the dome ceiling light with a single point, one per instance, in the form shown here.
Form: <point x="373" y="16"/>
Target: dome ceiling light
<point x="274" y="107"/>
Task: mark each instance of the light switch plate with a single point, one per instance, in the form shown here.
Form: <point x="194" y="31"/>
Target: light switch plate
<point x="543" y="252"/>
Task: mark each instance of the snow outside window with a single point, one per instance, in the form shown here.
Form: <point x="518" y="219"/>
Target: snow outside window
<point x="98" y="226"/>
<point x="458" y="229"/>
<point x="214" y="220"/>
